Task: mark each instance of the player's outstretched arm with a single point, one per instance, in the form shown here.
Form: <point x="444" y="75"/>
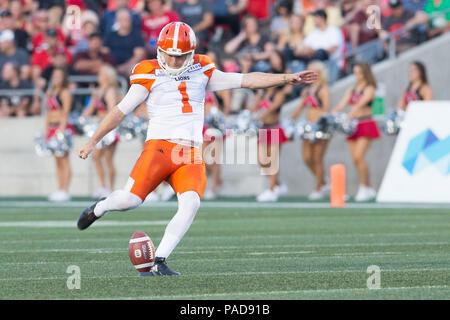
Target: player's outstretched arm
<point x="111" y="121"/>
<point x="260" y="80"/>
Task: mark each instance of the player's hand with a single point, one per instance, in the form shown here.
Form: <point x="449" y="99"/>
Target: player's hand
<point x="303" y="77"/>
<point x="85" y="150"/>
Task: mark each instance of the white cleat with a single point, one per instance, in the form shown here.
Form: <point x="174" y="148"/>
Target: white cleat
<point x="267" y="196"/>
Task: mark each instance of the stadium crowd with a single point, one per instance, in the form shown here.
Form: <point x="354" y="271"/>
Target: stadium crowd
<point x="83" y="35"/>
<point x="43" y="44"/>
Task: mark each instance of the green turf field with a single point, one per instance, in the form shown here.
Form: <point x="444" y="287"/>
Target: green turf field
<point x="234" y="250"/>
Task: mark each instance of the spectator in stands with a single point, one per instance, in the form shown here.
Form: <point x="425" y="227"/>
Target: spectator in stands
<point x="18" y="18"/>
<point x="324" y="43"/>
<point x="58" y="105"/>
<point x="316" y="100"/>
<point x="59" y="60"/>
<point x="104" y="98"/>
<point x="251" y="45"/>
<point x="16" y="105"/>
<point x="89" y="25"/>
<point x="226" y="12"/>
<point x="136" y="5"/>
<point x="126" y="44"/>
<point x="21" y="37"/>
<point x="360" y="99"/>
<point x="269" y="103"/>
<point x="48" y="4"/>
<point x="334" y="15"/>
<point x="55" y="15"/>
<point x="414" y="5"/>
<point x="439" y="21"/>
<point x="355" y="21"/>
<point x="29" y="5"/>
<point x="109" y="23"/>
<point x="10" y="53"/>
<point x="418" y="88"/>
<point x="90" y="62"/>
<point x="279" y="25"/>
<point x="360" y="32"/>
<point x="39" y="28"/>
<point x="197" y="14"/>
<point x="402" y="18"/>
<point x="44" y="55"/>
<point x="94" y="5"/>
<point x="153" y="23"/>
<point x="291" y="43"/>
<point x="304" y="7"/>
<point x="260" y="9"/>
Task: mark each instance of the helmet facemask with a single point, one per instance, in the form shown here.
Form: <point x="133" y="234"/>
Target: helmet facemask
<point x="172" y="72"/>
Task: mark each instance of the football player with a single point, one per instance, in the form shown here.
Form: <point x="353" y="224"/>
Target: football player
<point x="174" y="87"/>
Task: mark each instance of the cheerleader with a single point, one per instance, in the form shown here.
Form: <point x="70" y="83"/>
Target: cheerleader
<point x="418" y="87"/>
<point x="58" y="105"/>
<point x="316" y="99"/>
<point x="360" y="99"/>
<point x="222" y="101"/>
<point x="268" y="105"/>
<point x="104" y="98"/>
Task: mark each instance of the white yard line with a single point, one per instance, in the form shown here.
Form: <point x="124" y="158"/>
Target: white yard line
<point x="135" y="275"/>
<point x="237" y="204"/>
<point x="324" y="254"/>
<point x="231" y="248"/>
<point x="249" y="294"/>
<point x="278" y="252"/>
<point x="324" y="236"/>
<point x="73" y="223"/>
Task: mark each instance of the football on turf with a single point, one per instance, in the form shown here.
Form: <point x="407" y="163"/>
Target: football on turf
<point x="141" y="251"/>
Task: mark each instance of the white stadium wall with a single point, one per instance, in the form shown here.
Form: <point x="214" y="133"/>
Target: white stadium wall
<point x="419" y="168"/>
<point x="22" y="172"/>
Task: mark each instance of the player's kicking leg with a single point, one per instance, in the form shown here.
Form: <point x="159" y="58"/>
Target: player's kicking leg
<point x="119" y="200"/>
<point x="152" y="167"/>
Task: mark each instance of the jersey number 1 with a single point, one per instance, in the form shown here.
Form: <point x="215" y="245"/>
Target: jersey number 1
<point x="187" y="108"/>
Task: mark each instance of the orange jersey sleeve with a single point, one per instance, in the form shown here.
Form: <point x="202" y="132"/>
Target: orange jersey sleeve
<point x="144" y="73"/>
<point x="206" y="63"/>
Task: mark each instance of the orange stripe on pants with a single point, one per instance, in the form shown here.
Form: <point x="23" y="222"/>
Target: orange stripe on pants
<point x="162" y="160"/>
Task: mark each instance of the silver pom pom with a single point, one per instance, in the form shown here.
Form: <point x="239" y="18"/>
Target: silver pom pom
<point x="393" y="122"/>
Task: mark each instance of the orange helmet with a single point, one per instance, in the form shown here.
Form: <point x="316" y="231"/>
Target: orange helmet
<point x="177" y="39"/>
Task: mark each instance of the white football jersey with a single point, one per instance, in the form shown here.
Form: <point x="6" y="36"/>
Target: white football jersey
<point x="175" y="105"/>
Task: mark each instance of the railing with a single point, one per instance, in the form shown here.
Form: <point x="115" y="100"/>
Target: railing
<point x="33" y="93"/>
<point x="123" y="83"/>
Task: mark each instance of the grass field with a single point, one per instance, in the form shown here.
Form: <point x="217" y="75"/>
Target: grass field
<point x="234" y="250"/>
